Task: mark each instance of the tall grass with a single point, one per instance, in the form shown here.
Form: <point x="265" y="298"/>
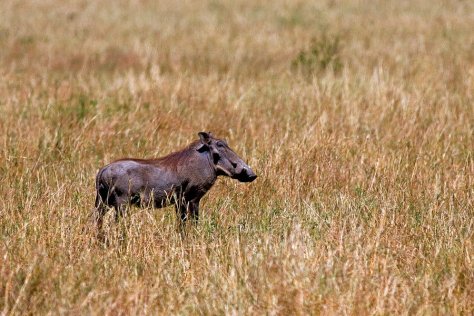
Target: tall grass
<point x="365" y="196"/>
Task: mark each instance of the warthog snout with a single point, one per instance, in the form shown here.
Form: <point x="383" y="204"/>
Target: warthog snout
<point x="250" y="175"/>
<point x="245" y="174"/>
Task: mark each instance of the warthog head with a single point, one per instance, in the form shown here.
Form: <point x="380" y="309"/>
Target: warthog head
<point x="226" y="162"/>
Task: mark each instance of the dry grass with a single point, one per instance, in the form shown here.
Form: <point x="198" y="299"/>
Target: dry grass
<point x="358" y="117"/>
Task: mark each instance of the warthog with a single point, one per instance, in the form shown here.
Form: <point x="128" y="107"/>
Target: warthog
<point x="181" y="178"/>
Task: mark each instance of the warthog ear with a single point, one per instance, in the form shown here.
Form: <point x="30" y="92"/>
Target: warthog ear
<point x="205" y="137"/>
<point x="205" y="141"/>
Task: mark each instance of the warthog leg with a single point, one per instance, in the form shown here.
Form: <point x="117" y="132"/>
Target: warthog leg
<point x="185" y="211"/>
<point x="121" y="204"/>
<point x="194" y="211"/>
<point x="99" y="212"/>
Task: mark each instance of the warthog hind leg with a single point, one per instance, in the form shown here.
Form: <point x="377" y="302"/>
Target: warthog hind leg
<point x="98" y="216"/>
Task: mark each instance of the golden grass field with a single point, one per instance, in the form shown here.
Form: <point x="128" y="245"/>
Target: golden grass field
<point x="358" y="117"/>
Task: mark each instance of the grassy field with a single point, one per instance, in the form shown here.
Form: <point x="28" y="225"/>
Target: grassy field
<point x="358" y="117"/>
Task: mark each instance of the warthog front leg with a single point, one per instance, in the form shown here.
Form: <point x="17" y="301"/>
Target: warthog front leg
<point x="194" y="211"/>
<point x="187" y="210"/>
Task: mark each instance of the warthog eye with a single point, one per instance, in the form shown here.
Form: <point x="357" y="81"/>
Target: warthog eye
<point x="220" y="144"/>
